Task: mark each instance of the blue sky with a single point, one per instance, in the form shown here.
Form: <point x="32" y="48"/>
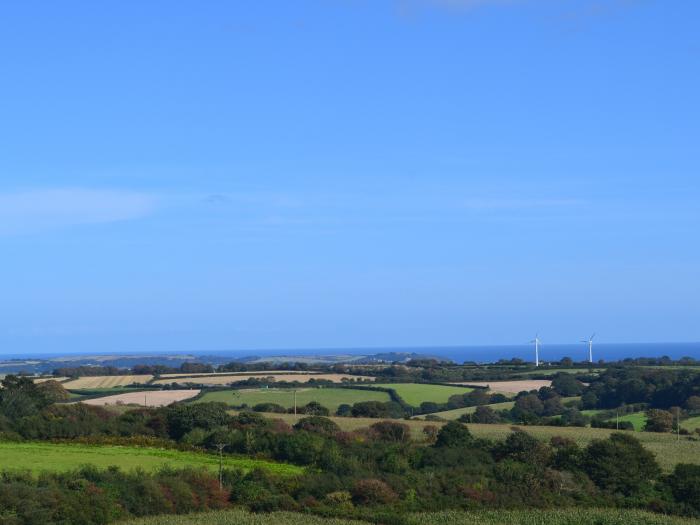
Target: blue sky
<point x="226" y="175"/>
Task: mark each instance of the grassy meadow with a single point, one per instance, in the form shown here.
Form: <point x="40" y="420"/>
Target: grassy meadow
<point x="457" y="412"/>
<point x="638" y="420"/>
<point x="55" y="457"/>
<point x="414" y="393"/>
<point x="571" y="516"/>
<point x="330" y="398"/>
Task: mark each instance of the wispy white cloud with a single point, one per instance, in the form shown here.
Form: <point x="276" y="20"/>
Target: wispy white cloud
<point x="36" y="210"/>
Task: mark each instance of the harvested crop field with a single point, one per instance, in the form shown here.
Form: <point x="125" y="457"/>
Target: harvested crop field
<point x="511" y="387"/>
<point x="151" y="398"/>
<point x="106" y="381"/>
<point x="219" y="379"/>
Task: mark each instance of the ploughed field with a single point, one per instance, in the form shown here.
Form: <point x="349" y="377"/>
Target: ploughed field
<point x="415" y="393"/>
<point x="668" y="449"/>
<point x="330" y="398"/>
<point x="60" y="457"/>
<point x="571" y="516"/>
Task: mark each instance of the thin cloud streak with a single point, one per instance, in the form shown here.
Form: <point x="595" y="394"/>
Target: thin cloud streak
<point x="37" y="210"/>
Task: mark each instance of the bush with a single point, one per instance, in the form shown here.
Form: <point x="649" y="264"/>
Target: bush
<point x="658" y="421"/>
<point x="372" y="492"/>
<point x="486" y="415"/>
<point x="184" y="418"/>
<point x="454" y="434"/>
<point x="524" y="448"/>
<point x="318" y="425"/>
<point x="339" y="498"/>
<point x="314" y="408"/>
<point x="620" y="464"/>
<point x="685" y="485"/>
<point x="391" y="431"/>
<point x="270" y="407"/>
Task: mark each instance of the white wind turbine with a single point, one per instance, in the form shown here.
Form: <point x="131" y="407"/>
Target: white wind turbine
<point x="536" y="340"/>
<point x="590" y="348"/>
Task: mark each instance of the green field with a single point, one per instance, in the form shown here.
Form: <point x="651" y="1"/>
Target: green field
<point x="691" y="424"/>
<point x="572" y="516"/>
<point x="414" y="393"/>
<point x="330" y="398"/>
<point x="457" y="412"/>
<point x="638" y="420"/>
<point x="55" y="457"/>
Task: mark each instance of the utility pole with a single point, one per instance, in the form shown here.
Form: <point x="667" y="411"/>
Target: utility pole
<point x="145" y="403"/>
<point x="295" y="402"/>
<point x="221" y="447"/>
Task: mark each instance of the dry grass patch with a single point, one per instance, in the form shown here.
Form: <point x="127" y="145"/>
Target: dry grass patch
<point x="511" y="387"/>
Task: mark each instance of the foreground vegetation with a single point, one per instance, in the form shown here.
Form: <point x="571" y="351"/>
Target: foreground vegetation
<point x="519" y="517"/>
<point x="668" y="449"/>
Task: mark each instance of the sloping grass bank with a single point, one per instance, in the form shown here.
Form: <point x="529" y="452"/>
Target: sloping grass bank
<point x="58" y="457"/>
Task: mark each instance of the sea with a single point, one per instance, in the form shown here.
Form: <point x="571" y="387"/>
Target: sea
<point x="459" y="354"/>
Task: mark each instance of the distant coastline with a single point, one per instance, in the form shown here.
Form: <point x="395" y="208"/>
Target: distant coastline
<point x="458" y="354"/>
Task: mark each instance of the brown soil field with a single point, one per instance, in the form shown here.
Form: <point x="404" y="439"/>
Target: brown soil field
<point x="226" y="379"/>
<point x="511" y="387"/>
<point x="151" y="398"/>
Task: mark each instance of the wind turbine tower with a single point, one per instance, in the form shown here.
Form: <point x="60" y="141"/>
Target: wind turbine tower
<point x="590" y="348"/>
<point x="536" y="340"/>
